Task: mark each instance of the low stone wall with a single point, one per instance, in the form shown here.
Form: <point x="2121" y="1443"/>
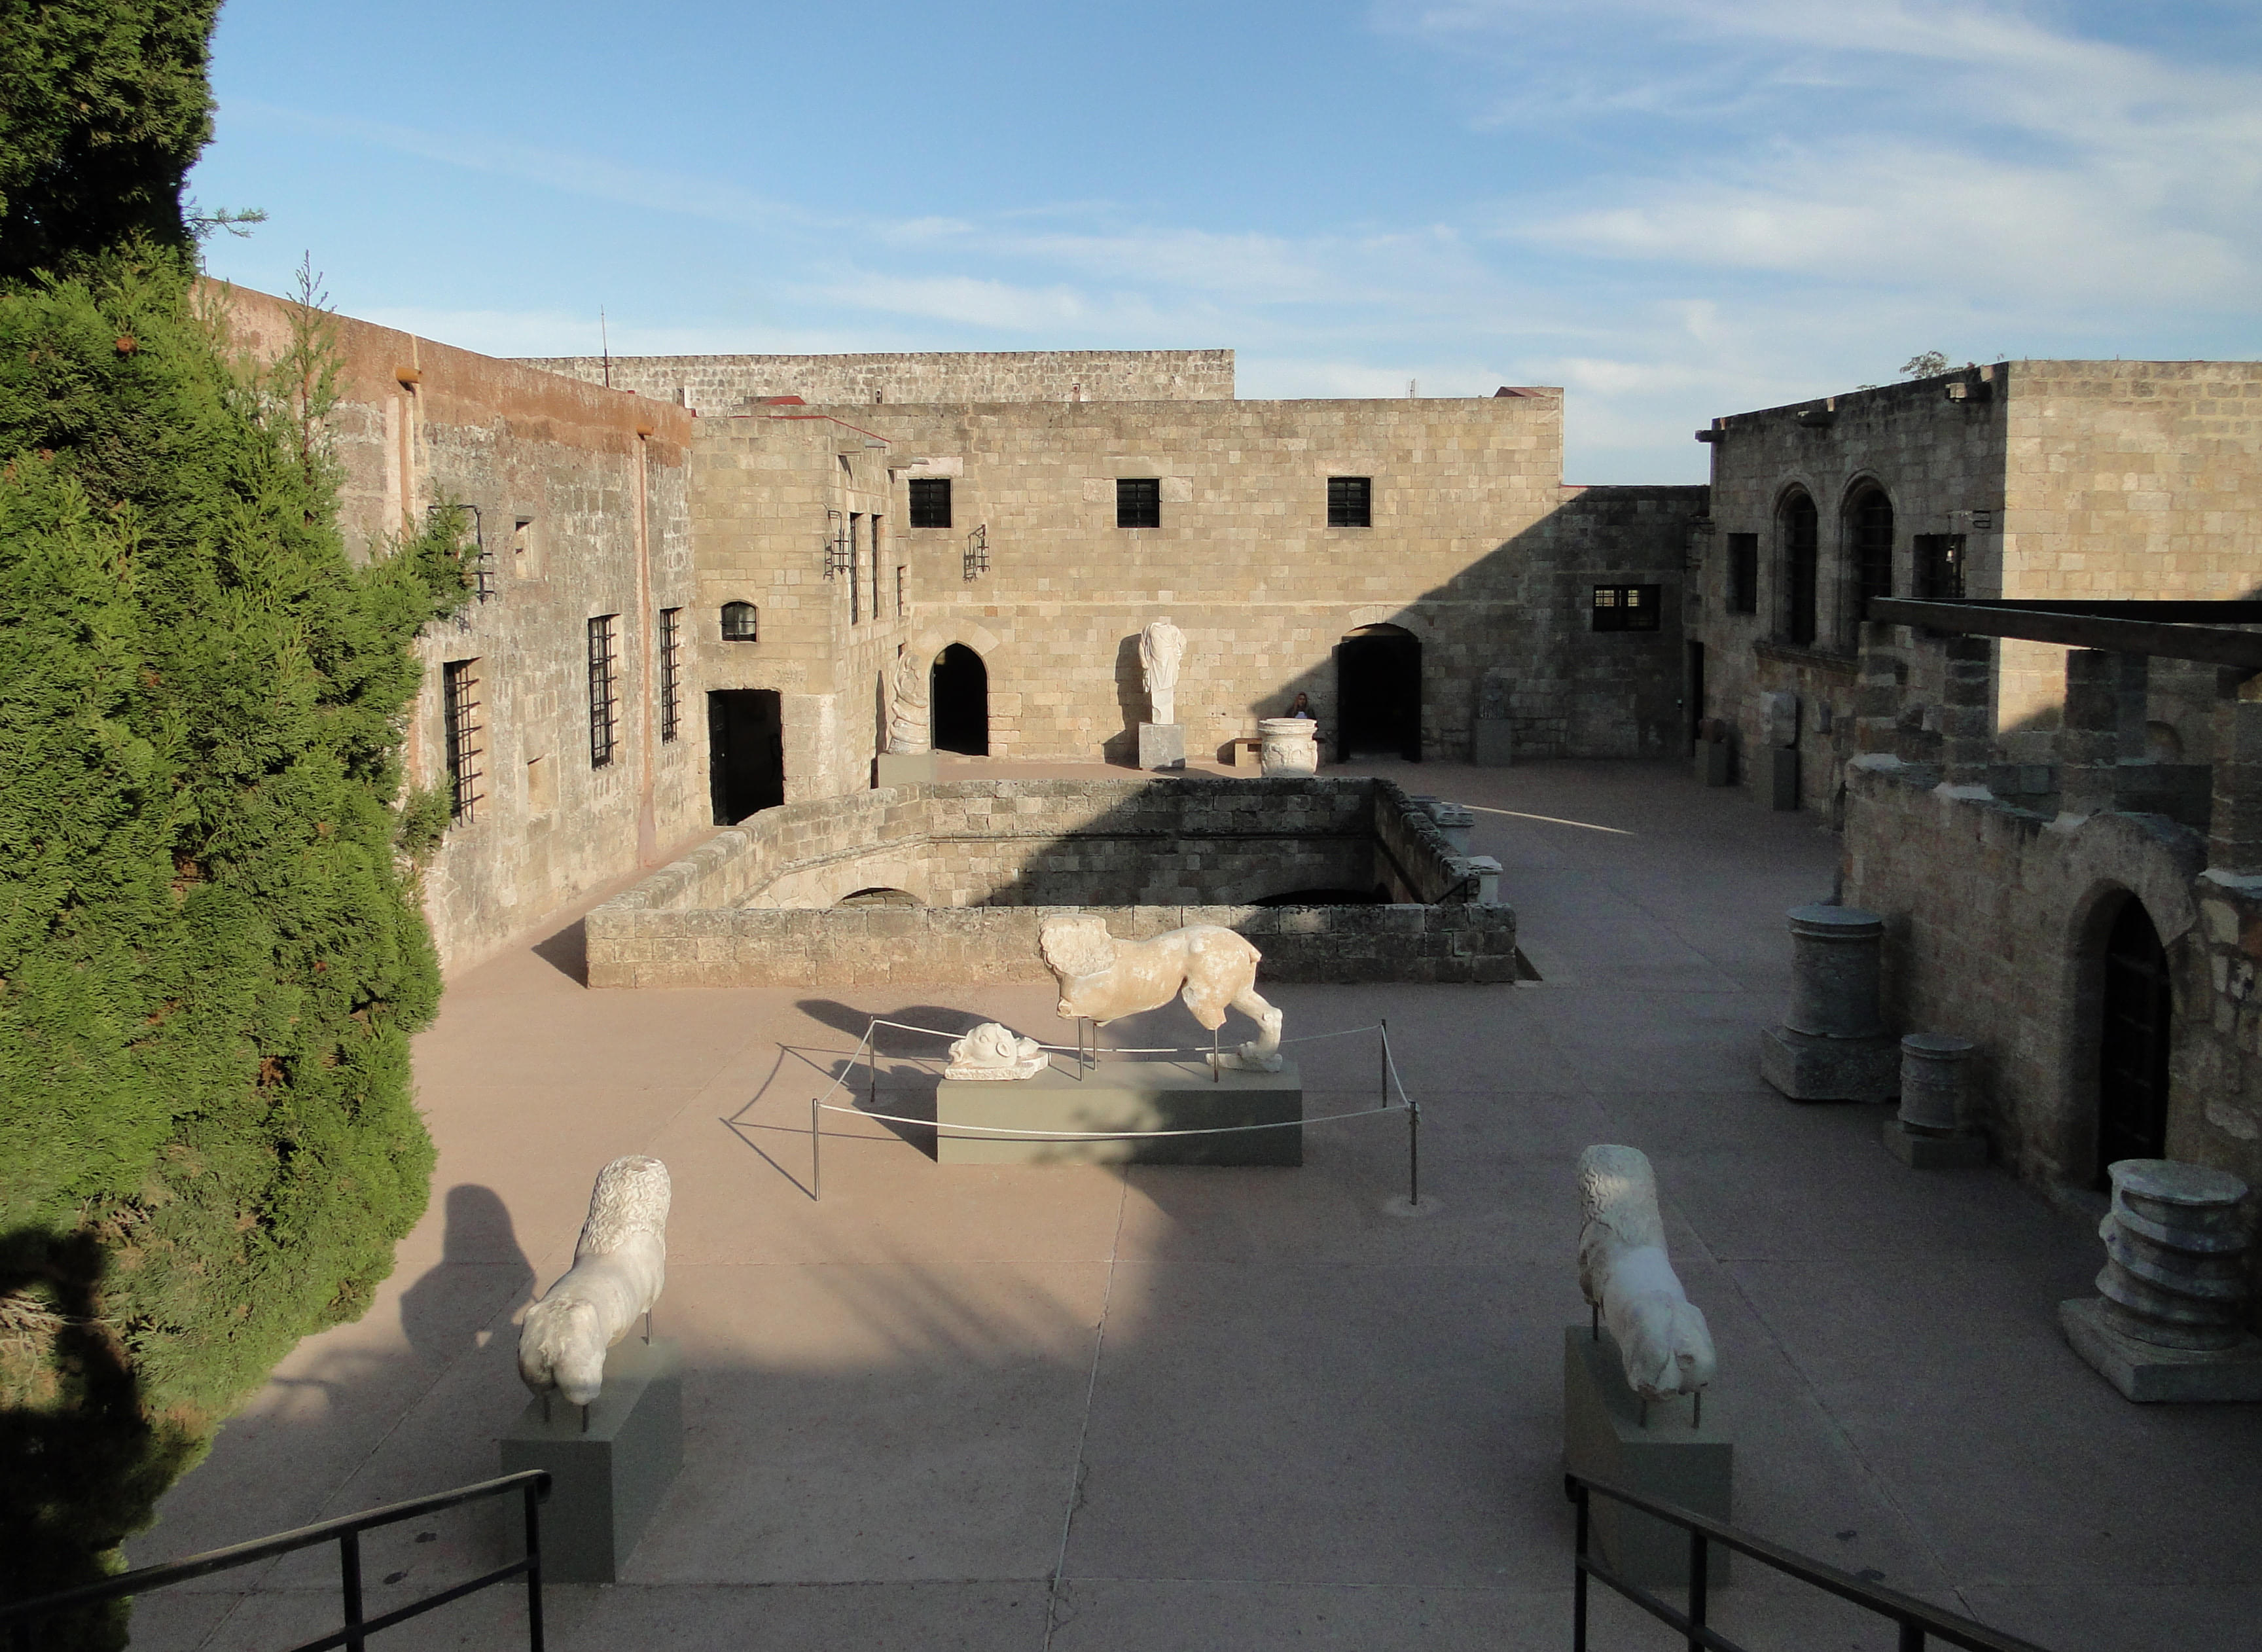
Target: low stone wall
<point x="753" y="905"/>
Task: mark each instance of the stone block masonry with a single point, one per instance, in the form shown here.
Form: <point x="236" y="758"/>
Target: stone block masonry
<point x="717" y="385"/>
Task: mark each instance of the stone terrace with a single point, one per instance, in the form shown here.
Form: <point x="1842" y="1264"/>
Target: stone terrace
<point x="1077" y="1408"/>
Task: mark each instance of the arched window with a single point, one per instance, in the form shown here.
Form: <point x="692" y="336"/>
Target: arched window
<point x="741" y="623"/>
<point x="1800" y="538"/>
<point x="1870" y="530"/>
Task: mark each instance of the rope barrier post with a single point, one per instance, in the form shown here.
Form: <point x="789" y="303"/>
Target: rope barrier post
<point x="1413" y="1152"/>
<point x="816" y="1155"/>
<point x="1382" y="1062"/>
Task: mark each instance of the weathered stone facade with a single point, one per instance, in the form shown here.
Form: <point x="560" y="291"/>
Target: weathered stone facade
<point x="600" y="482"/>
<point x="753" y="905"/>
<point x="2081" y="480"/>
<point x="713" y="385"/>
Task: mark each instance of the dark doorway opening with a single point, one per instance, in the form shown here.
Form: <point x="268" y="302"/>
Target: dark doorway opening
<point x="961" y="698"/>
<point x="1379" y="694"/>
<point x="2132" y="1056"/>
<point x="745" y="752"/>
<point x="1694" y="703"/>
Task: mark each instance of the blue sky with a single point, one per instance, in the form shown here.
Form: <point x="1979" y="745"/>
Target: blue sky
<point x="1673" y="208"/>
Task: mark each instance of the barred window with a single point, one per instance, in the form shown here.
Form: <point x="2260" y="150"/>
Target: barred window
<point x="1350" y="501"/>
<point x="1627" y="607"/>
<point x="1872" y="526"/>
<point x="1139" y="501"/>
<point x="930" y="501"/>
<point x="1939" y="567"/>
<point x="741" y="623"/>
<point x="671" y="674"/>
<point x="604" y="686"/>
<point x="459" y="714"/>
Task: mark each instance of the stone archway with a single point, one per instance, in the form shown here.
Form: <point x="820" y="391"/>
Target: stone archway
<point x="959" y="692"/>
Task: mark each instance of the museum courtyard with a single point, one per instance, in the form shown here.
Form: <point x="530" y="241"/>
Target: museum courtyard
<point x="1082" y="1408"/>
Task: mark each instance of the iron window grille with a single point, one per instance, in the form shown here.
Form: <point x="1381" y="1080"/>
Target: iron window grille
<point x="1139" y="501"/>
<point x="1743" y="573"/>
<point x="1873" y="546"/>
<point x="836" y="549"/>
<point x="1627" y="607"/>
<point x="670" y="674"/>
<point x="1350" y="501"/>
<point x="483" y="579"/>
<point x="930" y="501"/>
<point x="742" y="623"/>
<point x="459" y="715"/>
<point x="1939" y="567"/>
<point x="902" y="582"/>
<point x="977" y="552"/>
<point x="604" y="685"/>
<point x="1801" y="545"/>
<point x="855" y="566"/>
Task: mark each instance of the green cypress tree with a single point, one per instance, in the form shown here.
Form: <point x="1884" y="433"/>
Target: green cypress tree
<point x="211" y="955"/>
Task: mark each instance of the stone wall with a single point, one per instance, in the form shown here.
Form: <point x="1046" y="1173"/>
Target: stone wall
<point x="2084" y="479"/>
<point x="751" y="906"/>
<point x="601" y="480"/>
<point x="1995" y="921"/>
<point x="714" y="385"/>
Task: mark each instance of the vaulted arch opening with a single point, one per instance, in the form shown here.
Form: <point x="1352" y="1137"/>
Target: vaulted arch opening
<point x="2135" y="1021"/>
<point x="960" y="694"/>
<point x="1379" y="693"/>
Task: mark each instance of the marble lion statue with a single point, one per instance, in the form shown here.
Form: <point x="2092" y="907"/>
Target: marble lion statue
<point x="1210" y="968"/>
<point x="620" y="1263"/>
<point x="1626" y="1274"/>
<point x="992" y="1051"/>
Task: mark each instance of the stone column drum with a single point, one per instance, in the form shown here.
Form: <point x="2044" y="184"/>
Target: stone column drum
<point x="1290" y="746"/>
<point x="1831" y="1045"/>
<point x="1934" y="1129"/>
<point x="2171" y="1321"/>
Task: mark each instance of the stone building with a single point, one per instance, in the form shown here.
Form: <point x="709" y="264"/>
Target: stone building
<point x="2030" y="479"/>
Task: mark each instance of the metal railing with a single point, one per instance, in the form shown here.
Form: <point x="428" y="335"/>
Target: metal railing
<point x="1914" y="1618"/>
<point x="22" y="1618"/>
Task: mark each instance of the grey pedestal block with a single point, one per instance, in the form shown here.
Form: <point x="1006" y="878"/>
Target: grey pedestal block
<point x="1964" y="1151"/>
<point x="1493" y="745"/>
<point x="1162" y="745"/>
<point x="1126" y="1095"/>
<point x="1807" y="1068"/>
<point x="897" y="768"/>
<point x="1715" y="763"/>
<point x="1778" y="776"/>
<point x="605" y="1483"/>
<point x="1604" y="1437"/>
<point x="2149" y="1374"/>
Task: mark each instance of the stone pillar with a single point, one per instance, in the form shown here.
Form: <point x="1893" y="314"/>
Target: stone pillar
<point x="2170" y="1321"/>
<point x="1290" y="746"/>
<point x="2087" y="742"/>
<point x="1831" y="1045"/>
<point x="1878" y="688"/>
<point x="2234" y="837"/>
<point x="1934" y="1129"/>
<point x="2132" y="704"/>
<point x="1967" y="712"/>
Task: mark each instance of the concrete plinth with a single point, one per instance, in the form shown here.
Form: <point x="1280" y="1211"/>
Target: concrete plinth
<point x="1127" y="1096"/>
<point x="1162" y="746"/>
<point x="1808" y="1068"/>
<point x="1920" y="1149"/>
<point x="606" y="1482"/>
<point x="2149" y="1374"/>
<point x="903" y="768"/>
<point x="1778" y="777"/>
<point x="1715" y="763"/>
<point x="1669" y="1459"/>
<point x="1493" y="743"/>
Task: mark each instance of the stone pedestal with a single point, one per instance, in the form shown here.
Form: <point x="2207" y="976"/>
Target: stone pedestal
<point x="1715" y="763"/>
<point x="1290" y="746"/>
<point x="903" y="768"/>
<point x="1162" y="746"/>
<point x="1831" y="1045"/>
<point x="1127" y="1095"/>
<point x="1933" y="1130"/>
<point x="606" y="1478"/>
<point x="1603" y="1435"/>
<point x="1492" y="744"/>
<point x="1778" y="777"/>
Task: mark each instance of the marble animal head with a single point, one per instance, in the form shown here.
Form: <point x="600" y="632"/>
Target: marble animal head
<point x="991" y="1045"/>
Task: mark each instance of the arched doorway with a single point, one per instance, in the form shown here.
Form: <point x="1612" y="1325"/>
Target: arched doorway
<point x="1870" y="530"/>
<point x="961" y="696"/>
<point x="1379" y="694"/>
<point x="1802" y="539"/>
<point x="2132" y="1053"/>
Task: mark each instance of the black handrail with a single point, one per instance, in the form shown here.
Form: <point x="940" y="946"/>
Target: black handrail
<point x="1915" y="1617"/>
<point x="20" y="1618"/>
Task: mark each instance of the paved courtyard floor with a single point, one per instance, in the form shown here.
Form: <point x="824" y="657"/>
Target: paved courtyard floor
<point x="1078" y="1408"/>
